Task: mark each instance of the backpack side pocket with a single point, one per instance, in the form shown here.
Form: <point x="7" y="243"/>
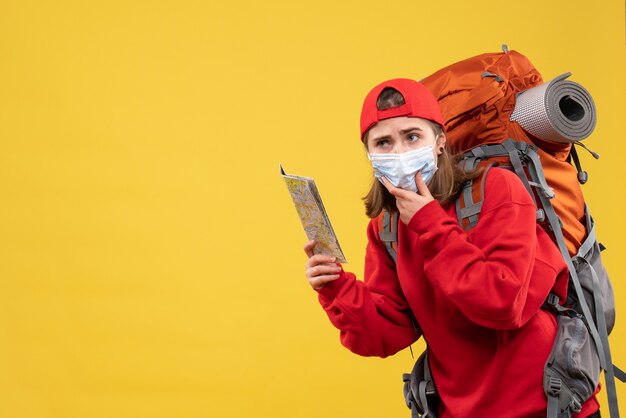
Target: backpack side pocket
<point x="572" y="371"/>
<point x="593" y="277"/>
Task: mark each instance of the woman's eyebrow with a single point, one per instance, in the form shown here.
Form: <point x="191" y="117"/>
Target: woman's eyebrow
<point x="402" y="131"/>
<point x="378" y="138"/>
<point x="407" y="130"/>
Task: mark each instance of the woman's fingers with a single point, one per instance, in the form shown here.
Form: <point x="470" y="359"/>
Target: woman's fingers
<point x="422" y="188"/>
<point x="321" y="274"/>
<point x="308" y="248"/>
<point x="396" y="191"/>
<point x="319" y="282"/>
<point x="390" y="187"/>
<point x="316" y="259"/>
<point x="320" y="269"/>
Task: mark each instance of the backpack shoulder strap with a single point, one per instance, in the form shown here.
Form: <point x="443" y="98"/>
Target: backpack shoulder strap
<point x="467" y="211"/>
<point x="388" y="232"/>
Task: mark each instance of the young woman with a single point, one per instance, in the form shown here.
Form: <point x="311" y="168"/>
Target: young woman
<point x="475" y="296"/>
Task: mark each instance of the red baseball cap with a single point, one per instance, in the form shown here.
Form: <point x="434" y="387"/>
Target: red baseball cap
<point x="419" y="102"/>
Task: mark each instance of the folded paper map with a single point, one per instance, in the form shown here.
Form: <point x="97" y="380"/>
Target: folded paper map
<point x="313" y="215"/>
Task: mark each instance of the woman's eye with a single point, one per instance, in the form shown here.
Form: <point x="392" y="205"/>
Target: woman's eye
<point x="382" y="143"/>
<point x="413" y="137"/>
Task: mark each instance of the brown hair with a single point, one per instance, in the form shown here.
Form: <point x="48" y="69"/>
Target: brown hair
<point x="446" y="182"/>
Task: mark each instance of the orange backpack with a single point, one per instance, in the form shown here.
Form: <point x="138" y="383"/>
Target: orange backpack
<point x="479" y="97"/>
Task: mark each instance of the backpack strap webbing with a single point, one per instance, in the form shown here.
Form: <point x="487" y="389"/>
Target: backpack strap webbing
<point x="516" y="162"/>
<point x="598" y="333"/>
<point x="408" y="395"/>
<point x="554" y="410"/>
<point x="517" y="153"/>
<point x="619" y="373"/>
<point x="424" y="386"/>
<point x="467" y="210"/>
<point x="388" y="232"/>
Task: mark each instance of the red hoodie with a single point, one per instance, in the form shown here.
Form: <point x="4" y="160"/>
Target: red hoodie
<point x="476" y="296"/>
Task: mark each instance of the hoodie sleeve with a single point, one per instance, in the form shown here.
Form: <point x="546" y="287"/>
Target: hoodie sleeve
<point x="494" y="275"/>
<point x="373" y="317"/>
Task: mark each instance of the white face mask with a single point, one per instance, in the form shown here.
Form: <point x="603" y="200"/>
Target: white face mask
<point x="400" y="169"/>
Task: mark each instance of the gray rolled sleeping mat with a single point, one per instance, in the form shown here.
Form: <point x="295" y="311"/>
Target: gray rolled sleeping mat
<point x="557" y="111"/>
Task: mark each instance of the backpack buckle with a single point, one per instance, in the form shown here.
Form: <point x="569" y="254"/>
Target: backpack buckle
<point x="541" y="215"/>
<point x="575" y="405"/>
<point x="554" y="386"/>
<point x="553" y="299"/>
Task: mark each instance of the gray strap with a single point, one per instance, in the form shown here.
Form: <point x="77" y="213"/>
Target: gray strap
<point x="427" y="375"/>
<point x="541" y="183"/>
<point x="486" y="151"/>
<point x="479" y="205"/>
<point x="609" y="377"/>
<point x="517" y="165"/>
<point x="423" y="386"/>
<point x="474" y="155"/>
<point x="496" y="76"/>
<point x="467" y="194"/>
<point x="489" y="150"/>
<point x="496" y="150"/>
<point x="423" y="400"/>
<point x="471" y="210"/>
<point x="619" y="373"/>
<point x="387" y="236"/>
<point x="541" y="178"/>
<point x="554" y="389"/>
<point x="459" y="217"/>
<point x="553" y="407"/>
<point x="597" y="301"/>
<point x="479" y="152"/>
<point x="408" y="395"/>
<point x="470" y="164"/>
<point x="587" y="245"/>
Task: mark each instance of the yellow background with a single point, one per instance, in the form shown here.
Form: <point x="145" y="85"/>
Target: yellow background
<point x="151" y="260"/>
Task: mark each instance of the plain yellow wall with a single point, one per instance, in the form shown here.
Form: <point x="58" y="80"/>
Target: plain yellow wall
<point x="150" y="256"/>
